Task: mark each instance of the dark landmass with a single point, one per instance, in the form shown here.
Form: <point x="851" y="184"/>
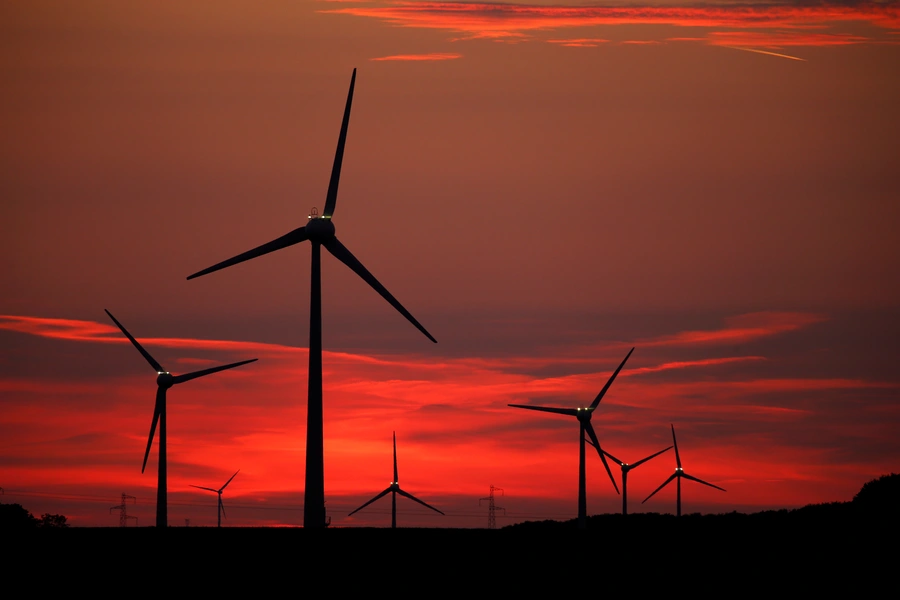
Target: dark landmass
<point x="813" y="546"/>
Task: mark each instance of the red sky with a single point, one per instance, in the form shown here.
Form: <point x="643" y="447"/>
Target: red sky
<point x="539" y="189"/>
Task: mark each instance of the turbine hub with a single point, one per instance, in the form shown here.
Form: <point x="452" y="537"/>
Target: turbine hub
<point x="320" y="229"/>
<point x="584" y="414"/>
<point x="164" y="379"/>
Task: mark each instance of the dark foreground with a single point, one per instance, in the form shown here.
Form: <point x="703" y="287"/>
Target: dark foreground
<point x="811" y="548"/>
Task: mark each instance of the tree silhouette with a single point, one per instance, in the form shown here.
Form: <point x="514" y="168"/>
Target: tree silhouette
<point x="880" y="496"/>
<point x="15" y="516"/>
<point x="48" y="520"/>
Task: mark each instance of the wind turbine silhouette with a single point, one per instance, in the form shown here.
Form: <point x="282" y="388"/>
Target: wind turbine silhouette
<point x="165" y="380"/>
<point x="679" y="474"/>
<point x="628" y="467"/>
<point x="319" y="231"/>
<point x="584" y="420"/>
<point x="221" y="509"/>
<point x="394" y="488"/>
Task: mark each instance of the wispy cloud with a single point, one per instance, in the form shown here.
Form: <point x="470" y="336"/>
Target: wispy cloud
<point x="743" y="328"/>
<point x="513" y="22"/>
<point x="421" y="57"/>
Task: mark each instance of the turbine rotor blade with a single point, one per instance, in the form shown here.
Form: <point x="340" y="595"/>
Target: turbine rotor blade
<point x="157" y="409"/>
<point x="344" y="255"/>
<point x="643" y="460"/>
<point x="200" y="487"/>
<point x="614" y="459"/>
<point x="609" y="383"/>
<point x="414" y="499"/>
<point x="210" y="371"/>
<point x="665" y="483"/>
<point x="371" y="501"/>
<point x="675" y="443"/>
<point x="590" y="430"/>
<point x="572" y="412"/>
<point x="331" y="197"/>
<point x="692" y="478"/>
<point x="396" y="477"/>
<point x="220" y="490"/>
<point x="222" y="506"/>
<point x="156" y="366"/>
<point x="289" y="239"/>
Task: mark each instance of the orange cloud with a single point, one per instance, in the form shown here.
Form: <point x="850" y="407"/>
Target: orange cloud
<point x="419" y="57"/>
<point x="481" y="20"/>
<point x="580" y="42"/>
<point x="740" y="329"/>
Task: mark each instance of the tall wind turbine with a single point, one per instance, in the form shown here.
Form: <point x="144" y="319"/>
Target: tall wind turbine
<point x="679" y="474"/>
<point x="394" y="488"/>
<point x="221" y="509"/>
<point x="165" y="380"/>
<point x="627" y="467"/>
<point x="320" y="232"/>
<point x="584" y="421"/>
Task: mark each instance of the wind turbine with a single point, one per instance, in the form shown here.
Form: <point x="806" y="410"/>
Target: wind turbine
<point x="627" y="467"/>
<point x="679" y="474"/>
<point x="165" y="380"/>
<point x="221" y="510"/>
<point x="584" y="420"/>
<point x="319" y="231"/>
<point x="394" y="488"/>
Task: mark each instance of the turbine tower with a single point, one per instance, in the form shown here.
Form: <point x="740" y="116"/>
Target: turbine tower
<point x="221" y="508"/>
<point x="394" y="488"/>
<point x="165" y="380"/>
<point x="584" y="421"/>
<point x="627" y="467"/>
<point x="319" y="231"/>
<point x="679" y="474"/>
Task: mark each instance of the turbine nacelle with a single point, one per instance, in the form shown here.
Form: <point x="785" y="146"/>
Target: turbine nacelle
<point x="319" y="229"/>
<point x="164" y="379"/>
<point x="584" y="414"/>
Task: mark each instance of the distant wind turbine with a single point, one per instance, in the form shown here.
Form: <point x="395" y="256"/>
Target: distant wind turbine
<point x="394" y="489"/>
<point x="165" y="380"/>
<point x="221" y="509"/>
<point x="625" y="469"/>
<point x="319" y="231"/>
<point x="679" y="474"/>
<point x="584" y="420"/>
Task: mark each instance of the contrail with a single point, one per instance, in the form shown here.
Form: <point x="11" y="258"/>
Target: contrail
<point x="767" y="52"/>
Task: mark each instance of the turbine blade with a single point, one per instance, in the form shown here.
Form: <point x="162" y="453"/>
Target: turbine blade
<point x="590" y="431"/>
<point x="200" y="487"/>
<point x="229" y="481"/>
<point x="289" y="239"/>
<point x="157" y="409"/>
<point x="572" y="412"/>
<point x="675" y="443"/>
<point x="609" y="383"/>
<point x="371" y="501"/>
<point x="614" y="459"/>
<point x="413" y="498"/>
<point x="643" y="460"/>
<point x="692" y="478"/>
<point x="665" y="483"/>
<point x="156" y="366"/>
<point x="396" y="477"/>
<point x="222" y="506"/>
<point x="341" y="253"/>
<point x="210" y="371"/>
<point x="331" y="197"/>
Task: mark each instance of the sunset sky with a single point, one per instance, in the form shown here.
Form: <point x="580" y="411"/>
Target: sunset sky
<point x="544" y="185"/>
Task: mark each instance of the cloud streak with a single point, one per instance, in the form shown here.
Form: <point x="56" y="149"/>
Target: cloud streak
<point x="514" y="22"/>
<point x="420" y="57"/>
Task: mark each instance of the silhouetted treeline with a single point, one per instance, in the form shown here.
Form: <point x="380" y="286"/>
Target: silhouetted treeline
<point x="16" y="516"/>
